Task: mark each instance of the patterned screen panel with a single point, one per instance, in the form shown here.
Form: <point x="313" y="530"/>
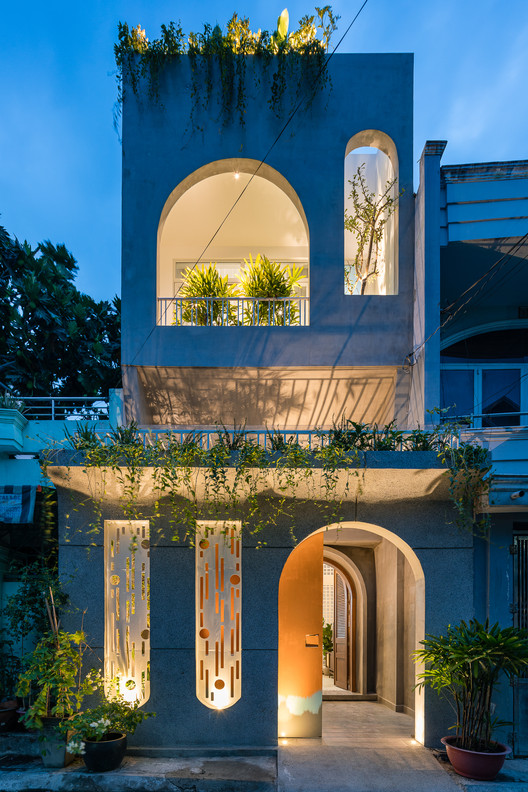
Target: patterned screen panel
<point x="127" y="607"/>
<point x="218" y="613"/>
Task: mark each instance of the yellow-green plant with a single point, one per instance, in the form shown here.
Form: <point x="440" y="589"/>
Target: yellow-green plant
<point x="273" y="286"/>
<point x="206" y="282"/>
<point x="298" y="58"/>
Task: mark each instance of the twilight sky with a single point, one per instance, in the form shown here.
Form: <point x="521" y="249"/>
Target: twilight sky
<point x="60" y="156"/>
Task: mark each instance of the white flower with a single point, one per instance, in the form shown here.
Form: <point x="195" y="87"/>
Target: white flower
<point x="94" y="725"/>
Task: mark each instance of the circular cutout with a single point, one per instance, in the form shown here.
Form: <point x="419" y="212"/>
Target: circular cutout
<point x="234" y="579"/>
<point x="204" y="633"/>
<point x="130" y="684"/>
<point x="145" y="634"/>
<point x="114" y="580"/>
<point x="204" y="544"/>
<point x="145" y="544"/>
<point x="219" y="684"/>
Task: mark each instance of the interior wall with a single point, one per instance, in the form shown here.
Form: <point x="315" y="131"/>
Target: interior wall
<point x="395" y="628"/>
<point x="300" y="641"/>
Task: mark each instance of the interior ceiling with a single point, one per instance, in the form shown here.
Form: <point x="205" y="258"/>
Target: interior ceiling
<point x="263" y="217"/>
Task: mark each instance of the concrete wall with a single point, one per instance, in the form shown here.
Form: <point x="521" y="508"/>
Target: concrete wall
<point x="159" y="153"/>
<point x="294" y="398"/>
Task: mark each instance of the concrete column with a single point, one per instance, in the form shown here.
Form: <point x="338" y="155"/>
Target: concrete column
<point x="425" y="390"/>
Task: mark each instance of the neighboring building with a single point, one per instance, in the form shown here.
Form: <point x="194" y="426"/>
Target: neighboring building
<point x="367" y="351"/>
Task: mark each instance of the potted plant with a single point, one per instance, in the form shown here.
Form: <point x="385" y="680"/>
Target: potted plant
<point x="466" y="664"/>
<point x="9" y="671"/>
<point x="52" y="676"/>
<point x="200" y="285"/>
<point x="328" y="646"/>
<point x="272" y="286"/>
<point x="100" y="733"/>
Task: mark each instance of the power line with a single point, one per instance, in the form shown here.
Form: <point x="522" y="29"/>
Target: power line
<point x="490" y="273"/>
<point x="292" y="115"/>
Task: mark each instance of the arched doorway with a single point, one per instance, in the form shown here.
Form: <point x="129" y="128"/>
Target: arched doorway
<point x="389" y="623"/>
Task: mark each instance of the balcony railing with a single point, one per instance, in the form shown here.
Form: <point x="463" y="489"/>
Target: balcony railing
<point x="65" y="408"/>
<point x="233" y="311"/>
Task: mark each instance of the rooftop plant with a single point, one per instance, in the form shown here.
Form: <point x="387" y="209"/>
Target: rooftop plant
<point x="262" y="486"/>
<point x="297" y="57"/>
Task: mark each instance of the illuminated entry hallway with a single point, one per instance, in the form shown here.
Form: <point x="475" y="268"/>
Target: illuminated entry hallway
<point x="369" y="586"/>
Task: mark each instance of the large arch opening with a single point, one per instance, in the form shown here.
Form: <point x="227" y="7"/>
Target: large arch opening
<point x="371" y="214"/>
<point x="227" y="213"/>
<point x="388" y="624"/>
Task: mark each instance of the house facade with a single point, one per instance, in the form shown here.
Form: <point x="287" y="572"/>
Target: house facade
<point x="220" y="632"/>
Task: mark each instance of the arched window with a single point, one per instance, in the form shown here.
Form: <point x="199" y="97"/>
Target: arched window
<point x="371" y="212"/>
<point x="225" y="215"/>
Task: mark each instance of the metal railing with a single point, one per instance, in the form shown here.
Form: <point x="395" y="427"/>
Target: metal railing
<point x="268" y="439"/>
<point x="233" y="311"/>
<point x="65" y="408"/>
<point x="495" y="420"/>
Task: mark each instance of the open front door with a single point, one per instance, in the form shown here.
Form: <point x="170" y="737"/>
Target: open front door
<point x="341" y="622"/>
<point x="300" y="640"/>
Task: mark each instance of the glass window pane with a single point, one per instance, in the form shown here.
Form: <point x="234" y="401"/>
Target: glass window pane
<point x="456" y="393"/>
<point x="501" y="393"/>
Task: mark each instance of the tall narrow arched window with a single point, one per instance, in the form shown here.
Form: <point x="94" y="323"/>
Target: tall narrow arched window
<point x="371" y="212"/>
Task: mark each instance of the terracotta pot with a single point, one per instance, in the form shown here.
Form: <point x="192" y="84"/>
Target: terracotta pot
<point x="478" y="765"/>
<point x="107" y="754"/>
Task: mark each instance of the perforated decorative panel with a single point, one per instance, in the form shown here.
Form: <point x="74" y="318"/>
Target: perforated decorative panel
<point x="218" y="613"/>
<point x="127" y="606"/>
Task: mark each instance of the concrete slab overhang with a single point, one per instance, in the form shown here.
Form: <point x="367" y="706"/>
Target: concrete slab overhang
<point x="380" y="476"/>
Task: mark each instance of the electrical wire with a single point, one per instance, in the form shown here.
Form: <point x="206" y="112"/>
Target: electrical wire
<point x="410" y="359"/>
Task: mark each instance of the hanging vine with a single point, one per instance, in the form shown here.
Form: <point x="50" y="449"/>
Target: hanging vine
<point x="296" y="59"/>
<point x="260" y="486"/>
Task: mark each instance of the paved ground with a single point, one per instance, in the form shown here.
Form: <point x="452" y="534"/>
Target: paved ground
<point x="364" y="748"/>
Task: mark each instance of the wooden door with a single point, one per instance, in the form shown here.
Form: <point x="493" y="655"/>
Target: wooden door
<point x="341" y="631"/>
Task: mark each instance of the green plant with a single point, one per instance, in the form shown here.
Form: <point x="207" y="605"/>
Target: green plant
<point x="206" y="282"/>
<point x="272" y="285"/>
<point x="112" y="715"/>
<point x="9" y="670"/>
<point x="469" y="482"/>
<point x="25" y="611"/>
<point x="367" y="221"/>
<point x="54" y="340"/>
<point x="466" y="664"/>
<point x="328" y="638"/>
<point x="53" y="673"/>
<point x="219" y="58"/>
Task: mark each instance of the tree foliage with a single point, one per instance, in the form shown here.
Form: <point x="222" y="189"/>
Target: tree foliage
<point x="54" y="339"/>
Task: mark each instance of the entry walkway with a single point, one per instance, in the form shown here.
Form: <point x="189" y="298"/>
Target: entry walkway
<point x="364" y="748"/>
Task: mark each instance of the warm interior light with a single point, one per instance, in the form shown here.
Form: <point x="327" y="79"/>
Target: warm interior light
<point x="127" y="608"/>
<point x="218" y="613"/>
<point x="237" y="175"/>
